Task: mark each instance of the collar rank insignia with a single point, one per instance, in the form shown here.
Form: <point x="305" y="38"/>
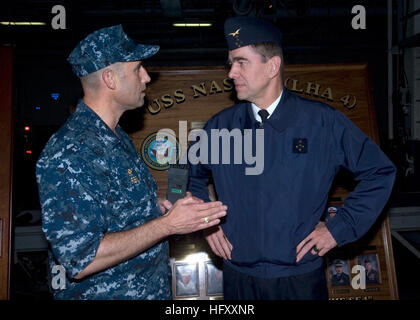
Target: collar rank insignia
<point x="134" y="179"/>
<point x="300" y="145"/>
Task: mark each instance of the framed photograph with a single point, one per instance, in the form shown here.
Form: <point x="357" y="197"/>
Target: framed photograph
<point x="186" y="279"/>
<point x="338" y="272"/>
<point x="370" y="262"/>
<point x="214" y="280"/>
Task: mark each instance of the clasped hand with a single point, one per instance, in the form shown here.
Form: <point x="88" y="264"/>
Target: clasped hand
<point x="191" y="214"/>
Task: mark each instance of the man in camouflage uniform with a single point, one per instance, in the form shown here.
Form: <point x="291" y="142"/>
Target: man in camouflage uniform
<point x="100" y="213"/>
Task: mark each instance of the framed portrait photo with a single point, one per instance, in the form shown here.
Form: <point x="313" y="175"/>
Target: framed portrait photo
<point x="338" y="272"/>
<point x="214" y="280"/>
<point x="186" y="280"/>
<point x="370" y="262"/>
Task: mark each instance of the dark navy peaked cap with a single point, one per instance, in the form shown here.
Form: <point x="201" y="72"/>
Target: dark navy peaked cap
<point x="105" y="47"/>
<point x="244" y="31"/>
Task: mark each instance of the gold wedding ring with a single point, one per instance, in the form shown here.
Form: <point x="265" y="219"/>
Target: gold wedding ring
<point x="206" y="220"/>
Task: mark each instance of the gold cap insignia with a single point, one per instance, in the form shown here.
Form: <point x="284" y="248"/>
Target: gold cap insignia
<point x="235" y="33"/>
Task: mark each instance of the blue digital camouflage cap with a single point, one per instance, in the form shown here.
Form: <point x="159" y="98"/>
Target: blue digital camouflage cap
<point x="105" y="47"/>
<point x="244" y="31"/>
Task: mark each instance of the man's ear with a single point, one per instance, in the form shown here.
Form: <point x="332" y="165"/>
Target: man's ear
<point x="110" y="79"/>
<point x="274" y="65"/>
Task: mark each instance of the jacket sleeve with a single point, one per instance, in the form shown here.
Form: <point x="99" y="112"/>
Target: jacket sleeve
<point x="199" y="167"/>
<point x="73" y="213"/>
<point x="361" y="156"/>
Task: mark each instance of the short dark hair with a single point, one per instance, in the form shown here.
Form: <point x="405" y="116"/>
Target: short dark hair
<point x="268" y="50"/>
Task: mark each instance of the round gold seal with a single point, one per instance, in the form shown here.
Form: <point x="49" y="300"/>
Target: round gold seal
<point x="159" y="150"/>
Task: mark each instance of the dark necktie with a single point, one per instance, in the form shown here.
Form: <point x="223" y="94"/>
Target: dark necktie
<point x="264" y="115"/>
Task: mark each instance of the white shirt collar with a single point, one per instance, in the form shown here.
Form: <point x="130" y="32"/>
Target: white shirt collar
<point x="270" y="109"/>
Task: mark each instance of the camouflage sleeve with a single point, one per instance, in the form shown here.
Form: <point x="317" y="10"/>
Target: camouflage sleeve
<point x="73" y="213"/>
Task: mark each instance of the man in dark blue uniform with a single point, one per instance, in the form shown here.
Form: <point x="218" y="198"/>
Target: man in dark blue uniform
<point x="100" y="213"/>
<point x="340" y="278"/>
<point x="273" y="239"/>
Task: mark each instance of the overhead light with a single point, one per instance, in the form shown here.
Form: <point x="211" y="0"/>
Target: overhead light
<point x="193" y="25"/>
<point x="22" y="23"/>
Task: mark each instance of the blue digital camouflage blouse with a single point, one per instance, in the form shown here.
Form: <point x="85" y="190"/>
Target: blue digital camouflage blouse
<point x="92" y="182"/>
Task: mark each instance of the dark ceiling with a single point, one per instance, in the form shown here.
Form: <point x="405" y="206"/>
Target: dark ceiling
<point x="323" y="26"/>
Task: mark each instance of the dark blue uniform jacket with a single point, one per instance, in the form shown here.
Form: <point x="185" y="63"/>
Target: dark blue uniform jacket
<point x="305" y="144"/>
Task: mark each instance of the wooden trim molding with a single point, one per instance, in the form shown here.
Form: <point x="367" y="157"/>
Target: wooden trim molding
<point x="6" y="135"/>
<point x="1" y="238"/>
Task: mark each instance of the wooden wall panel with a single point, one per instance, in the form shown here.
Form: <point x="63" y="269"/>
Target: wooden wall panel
<point x="6" y="118"/>
<point x="181" y="85"/>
